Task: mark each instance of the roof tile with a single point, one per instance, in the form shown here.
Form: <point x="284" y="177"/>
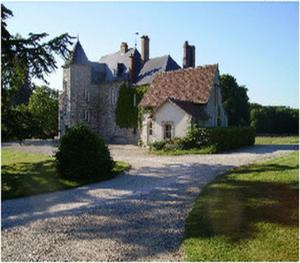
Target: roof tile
<point x="191" y="84"/>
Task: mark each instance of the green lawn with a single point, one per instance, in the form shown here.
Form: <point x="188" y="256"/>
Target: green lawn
<point x="277" y="140"/>
<point x="249" y="214"/>
<point x="25" y="174"/>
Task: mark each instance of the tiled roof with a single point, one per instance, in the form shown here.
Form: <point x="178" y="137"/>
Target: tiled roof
<point x="191" y="84"/>
<point x="154" y="66"/>
<point x="197" y="111"/>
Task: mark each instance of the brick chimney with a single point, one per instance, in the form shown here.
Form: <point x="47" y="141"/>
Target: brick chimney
<point x="123" y="47"/>
<point x="188" y="55"/>
<point x="145" y="48"/>
<point x="131" y="68"/>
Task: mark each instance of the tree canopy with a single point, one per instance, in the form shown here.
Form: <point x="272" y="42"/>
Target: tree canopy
<point x="235" y="101"/>
<point x="274" y="119"/>
<point x="31" y="57"/>
<point x="24" y="59"/>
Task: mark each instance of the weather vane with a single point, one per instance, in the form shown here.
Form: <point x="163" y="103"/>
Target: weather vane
<point x="135" y="34"/>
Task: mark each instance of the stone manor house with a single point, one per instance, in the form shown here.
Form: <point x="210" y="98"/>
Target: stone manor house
<point x="178" y="96"/>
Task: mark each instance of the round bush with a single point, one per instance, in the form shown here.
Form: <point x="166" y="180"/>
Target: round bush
<point x="82" y="154"/>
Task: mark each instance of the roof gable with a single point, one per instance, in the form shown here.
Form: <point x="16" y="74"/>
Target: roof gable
<point x="197" y="111"/>
<point x="191" y="84"/>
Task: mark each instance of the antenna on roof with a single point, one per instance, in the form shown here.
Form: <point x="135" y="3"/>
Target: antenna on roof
<point x="135" y="34"/>
<point x="77" y="37"/>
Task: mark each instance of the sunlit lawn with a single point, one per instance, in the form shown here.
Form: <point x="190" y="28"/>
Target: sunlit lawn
<point x="277" y="140"/>
<point x="26" y="174"/>
<point x="249" y="214"/>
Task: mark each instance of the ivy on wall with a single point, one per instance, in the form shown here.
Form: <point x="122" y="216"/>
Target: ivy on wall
<point x="127" y="111"/>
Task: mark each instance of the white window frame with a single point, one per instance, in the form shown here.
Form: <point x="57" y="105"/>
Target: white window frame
<point x="164" y="129"/>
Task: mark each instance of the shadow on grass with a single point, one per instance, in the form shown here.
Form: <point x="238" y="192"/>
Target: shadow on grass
<point x="231" y="207"/>
<point x="26" y="179"/>
<point x="22" y="178"/>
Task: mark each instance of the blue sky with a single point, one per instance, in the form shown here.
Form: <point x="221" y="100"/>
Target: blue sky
<point x="257" y="42"/>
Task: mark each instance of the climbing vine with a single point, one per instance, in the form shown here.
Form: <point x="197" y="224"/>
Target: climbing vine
<point x="127" y="111"/>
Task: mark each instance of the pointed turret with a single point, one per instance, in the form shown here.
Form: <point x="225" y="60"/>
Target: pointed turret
<point x="77" y="56"/>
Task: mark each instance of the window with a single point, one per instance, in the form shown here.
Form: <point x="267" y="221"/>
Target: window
<point x="219" y="117"/>
<point x="168" y="131"/>
<point x="120" y="69"/>
<point x="150" y="128"/>
<point x="65" y="85"/>
<point x="87" y="115"/>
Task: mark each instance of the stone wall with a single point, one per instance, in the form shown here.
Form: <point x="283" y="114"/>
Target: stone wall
<point x="94" y="105"/>
<point x="215" y="107"/>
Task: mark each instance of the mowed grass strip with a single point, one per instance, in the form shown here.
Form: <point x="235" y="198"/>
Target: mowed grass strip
<point x="249" y="214"/>
<point x="277" y="140"/>
<point x="24" y="174"/>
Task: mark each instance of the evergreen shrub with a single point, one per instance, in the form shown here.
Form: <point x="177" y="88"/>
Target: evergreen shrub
<point x="82" y="154"/>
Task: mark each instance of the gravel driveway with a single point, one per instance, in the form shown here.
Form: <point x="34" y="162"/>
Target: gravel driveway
<point x="137" y="216"/>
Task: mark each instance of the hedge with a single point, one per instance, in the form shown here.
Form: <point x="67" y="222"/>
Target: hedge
<point x="220" y="138"/>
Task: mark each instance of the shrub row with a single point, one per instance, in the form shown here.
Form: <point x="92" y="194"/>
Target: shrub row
<point x="220" y="138"/>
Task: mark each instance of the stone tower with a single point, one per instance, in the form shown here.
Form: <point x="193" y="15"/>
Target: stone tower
<point x="75" y="102"/>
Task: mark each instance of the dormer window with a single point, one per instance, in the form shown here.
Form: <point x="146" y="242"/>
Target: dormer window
<point x="120" y="69"/>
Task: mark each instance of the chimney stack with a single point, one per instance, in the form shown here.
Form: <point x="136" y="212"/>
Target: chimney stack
<point x="145" y="48"/>
<point x="124" y="47"/>
<point x="188" y="55"/>
<point x="131" y="68"/>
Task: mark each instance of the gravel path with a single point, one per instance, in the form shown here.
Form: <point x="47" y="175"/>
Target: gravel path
<point x="137" y="216"/>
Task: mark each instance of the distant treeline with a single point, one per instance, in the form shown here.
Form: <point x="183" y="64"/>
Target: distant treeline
<point x="274" y="119"/>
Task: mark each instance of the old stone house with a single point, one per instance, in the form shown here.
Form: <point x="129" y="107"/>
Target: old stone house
<point x="91" y="89"/>
<point x="178" y="97"/>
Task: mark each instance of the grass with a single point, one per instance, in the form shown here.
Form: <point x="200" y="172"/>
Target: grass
<point x="277" y="140"/>
<point x="25" y="174"/>
<point x="249" y="214"/>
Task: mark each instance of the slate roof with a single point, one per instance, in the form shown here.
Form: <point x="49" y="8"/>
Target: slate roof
<point x="98" y="72"/>
<point x="197" y="111"/>
<point x="154" y="66"/>
<point x="112" y="60"/>
<point x="191" y="84"/>
<point x="77" y="56"/>
<point x="107" y="67"/>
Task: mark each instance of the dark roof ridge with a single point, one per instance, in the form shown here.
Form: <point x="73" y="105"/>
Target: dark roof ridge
<point x="111" y="54"/>
<point x="189" y="69"/>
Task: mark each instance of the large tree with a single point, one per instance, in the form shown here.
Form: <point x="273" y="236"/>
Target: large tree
<point x="235" y="101"/>
<point x="22" y="60"/>
<point x="43" y="105"/>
